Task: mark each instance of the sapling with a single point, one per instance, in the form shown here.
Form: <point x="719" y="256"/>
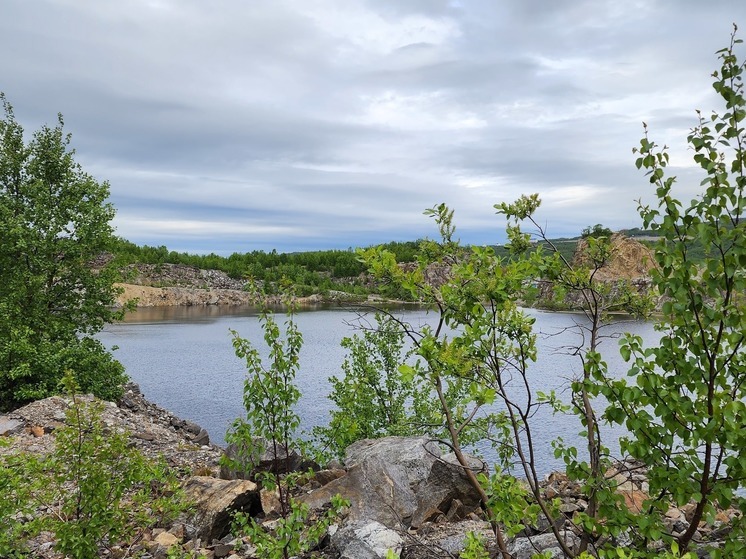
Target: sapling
<point x="270" y="394"/>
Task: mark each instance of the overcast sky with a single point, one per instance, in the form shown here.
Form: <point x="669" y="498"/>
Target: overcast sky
<point x="235" y="125"/>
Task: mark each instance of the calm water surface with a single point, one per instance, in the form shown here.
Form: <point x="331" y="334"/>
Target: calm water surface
<point x="183" y="359"/>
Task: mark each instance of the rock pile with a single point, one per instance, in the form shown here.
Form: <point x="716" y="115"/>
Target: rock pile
<point x="154" y="431"/>
<point x="404" y="495"/>
<point x="179" y="275"/>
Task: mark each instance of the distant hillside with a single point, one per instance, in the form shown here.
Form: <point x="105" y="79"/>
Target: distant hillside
<point x="309" y="272"/>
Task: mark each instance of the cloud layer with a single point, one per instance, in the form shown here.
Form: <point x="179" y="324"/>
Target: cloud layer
<point x="233" y="126"/>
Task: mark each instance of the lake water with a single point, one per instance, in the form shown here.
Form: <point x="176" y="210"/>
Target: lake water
<point x="183" y="360"/>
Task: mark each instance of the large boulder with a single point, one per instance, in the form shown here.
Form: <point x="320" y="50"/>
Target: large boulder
<point x="400" y="482"/>
<point x="214" y="502"/>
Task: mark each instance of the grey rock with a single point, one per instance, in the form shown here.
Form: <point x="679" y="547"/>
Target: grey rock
<point x="383" y="480"/>
<point x="214" y="502"/>
<point x="192" y="427"/>
<point x="369" y="540"/>
<point x="222" y="550"/>
<point x="525" y="548"/>
<point x="327" y="476"/>
<point x="542" y="525"/>
<point x="202" y="438"/>
<point x="446" y="482"/>
<point x="9" y="426"/>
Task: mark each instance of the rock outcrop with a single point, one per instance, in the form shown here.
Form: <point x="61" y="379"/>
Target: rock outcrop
<point x="631" y="263"/>
<point x="400" y="482"/>
<point x="630" y="259"/>
<point x="148" y="296"/>
<point x="155" y="431"/>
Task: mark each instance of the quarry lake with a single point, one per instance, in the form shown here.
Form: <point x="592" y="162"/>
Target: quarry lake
<point x="183" y="360"/>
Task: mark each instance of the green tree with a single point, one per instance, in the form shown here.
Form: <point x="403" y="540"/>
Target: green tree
<point x="102" y="489"/>
<point x="596" y="232"/>
<point x="54" y="221"/>
<point x="479" y="348"/>
<point x="685" y="409"/>
<point x="371" y="367"/>
<point x="684" y="405"/>
<point x="270" y="395"/>
<point x="596" y="300"/>
<point x="95" y="489"/>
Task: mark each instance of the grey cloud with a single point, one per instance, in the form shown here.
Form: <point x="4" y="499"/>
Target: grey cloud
<point x="332" y="124"/>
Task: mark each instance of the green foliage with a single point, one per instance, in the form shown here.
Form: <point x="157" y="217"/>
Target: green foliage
<point x="482" y="341"/>
<point x="54" y="221"/>
<point x="598" y="231"/>
<point x="100" y="488"/>
<point x="177" y="552"/>
<point x="20" y="480"/>
<point x="269" y="392"/>
<point x="474" y="547"/>
<point x="392" y="405"/>
<point x="311" y="272"/>
<point x="271" y="422"/>
<point x="627" y="553"/>
<point x="294" y="533"/>
<point x="684" y="402"/>
<point x="574" y="284"/>
<point x="509" y="502"/>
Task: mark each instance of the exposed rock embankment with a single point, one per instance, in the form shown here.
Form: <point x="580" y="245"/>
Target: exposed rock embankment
<point x="148" y="296"/>
<point x="630" y="259"/>
<point x="179" y="275"/>
<point x="168" y="285"/>
<point x="152" y="429"/>
<point x="630" y="264"/>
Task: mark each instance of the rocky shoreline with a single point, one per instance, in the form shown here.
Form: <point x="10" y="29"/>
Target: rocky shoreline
<point x="149" y="296"/>
<point x="404" y="494"/>
<point x="169" y="285"/>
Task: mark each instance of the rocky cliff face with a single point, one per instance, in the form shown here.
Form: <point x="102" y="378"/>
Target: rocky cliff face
<point x="631" y="263"/>
<point x="149" y="296"/>
<point x="630" y="260"/>
<point x="170" y="285"/>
